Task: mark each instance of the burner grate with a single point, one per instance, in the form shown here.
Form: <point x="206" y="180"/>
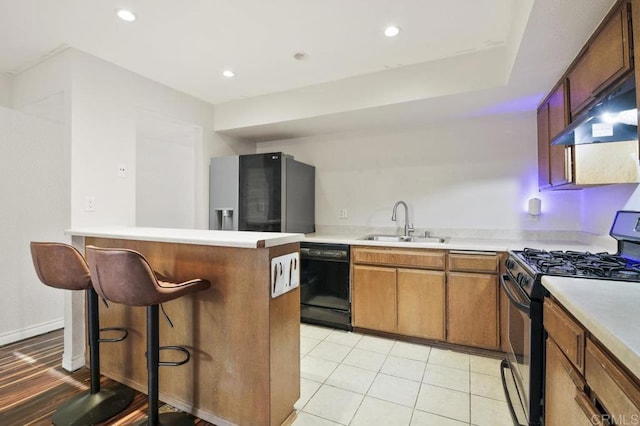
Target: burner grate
<point x="581" y="264"/>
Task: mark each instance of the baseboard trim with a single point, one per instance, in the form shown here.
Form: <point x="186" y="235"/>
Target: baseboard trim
<point x="31" y="331"/>
<point x="74" y="363"/>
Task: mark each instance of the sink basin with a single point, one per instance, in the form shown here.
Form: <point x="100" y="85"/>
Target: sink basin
<point x="403" y="239"/>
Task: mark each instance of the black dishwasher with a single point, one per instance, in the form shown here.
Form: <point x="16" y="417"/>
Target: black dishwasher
<point x="325" y="293"/>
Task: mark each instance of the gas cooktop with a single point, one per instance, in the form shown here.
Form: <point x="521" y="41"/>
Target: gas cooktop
<point x="580" y="264"/>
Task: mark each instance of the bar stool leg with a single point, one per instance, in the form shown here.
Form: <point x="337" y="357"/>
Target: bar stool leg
<point x="99" y="404"/>
<point x="153" y="364"/>
<point x="153" y="359"/>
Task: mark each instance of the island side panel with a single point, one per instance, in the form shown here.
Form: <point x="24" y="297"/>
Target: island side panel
<point x="285" y="347"/>
<point x="227" y="328"/>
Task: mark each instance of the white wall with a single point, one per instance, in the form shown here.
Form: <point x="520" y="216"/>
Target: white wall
<point x="5" y="90"/>
<point x="599" y="205"/>
<point x="106" y="100"/>
<point x="93" y="106"/>
<point x="165" y="172"/>
<point x="477" y="173"/>
<point x="410" y="83"/>
<point x="34" y="185"/>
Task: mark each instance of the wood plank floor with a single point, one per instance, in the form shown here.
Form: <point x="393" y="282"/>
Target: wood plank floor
<point x="33" y="384"/>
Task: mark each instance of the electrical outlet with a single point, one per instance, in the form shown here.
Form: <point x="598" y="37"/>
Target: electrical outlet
<point x="343" y="214"/>
<point x="122" y="171"/>
<point x="89" y="204"/>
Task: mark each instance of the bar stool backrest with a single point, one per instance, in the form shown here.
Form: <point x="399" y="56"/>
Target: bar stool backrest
<point x="124" y="276"/>
<point x="60" y="265"/>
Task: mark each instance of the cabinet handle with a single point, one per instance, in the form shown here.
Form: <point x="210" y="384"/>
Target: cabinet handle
<point x="572" y="373"/>
<point x="578" y="351"/>
<point x="594" y="417"/>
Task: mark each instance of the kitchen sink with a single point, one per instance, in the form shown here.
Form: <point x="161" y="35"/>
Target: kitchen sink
<point x="403" y="239"/>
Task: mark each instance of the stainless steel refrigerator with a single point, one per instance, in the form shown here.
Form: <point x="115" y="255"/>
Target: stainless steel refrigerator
<point x="262" y="192"/>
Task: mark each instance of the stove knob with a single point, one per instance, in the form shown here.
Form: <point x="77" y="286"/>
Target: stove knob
<point x="519" y="278"/>
<point x="509" y="263"/>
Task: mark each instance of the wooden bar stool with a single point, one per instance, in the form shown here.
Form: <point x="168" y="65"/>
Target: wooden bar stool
<point x="62" y="266"/>
<point x="124" y="276"/>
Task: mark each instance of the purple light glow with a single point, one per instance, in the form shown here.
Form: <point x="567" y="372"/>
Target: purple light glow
<point x="528" y="103"/>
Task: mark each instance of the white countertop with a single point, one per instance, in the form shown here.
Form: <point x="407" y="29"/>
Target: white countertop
<point x="608" y="309"/>
<point x="457" y="243"/>
<point x="238" y="239"/>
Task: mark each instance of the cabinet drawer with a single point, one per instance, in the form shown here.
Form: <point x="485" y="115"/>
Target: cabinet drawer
<point x="473" y="262"/>
<point x="617" y="392"/>
<point x="427" y="259"/>
<point x="566" y="332"/>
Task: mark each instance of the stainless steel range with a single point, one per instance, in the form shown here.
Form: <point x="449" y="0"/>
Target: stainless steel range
<point x="523" y="285"/>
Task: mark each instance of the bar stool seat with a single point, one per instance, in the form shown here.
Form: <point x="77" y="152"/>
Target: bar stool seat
<point x="125" y="276"/>
<point x="61" y="266"/>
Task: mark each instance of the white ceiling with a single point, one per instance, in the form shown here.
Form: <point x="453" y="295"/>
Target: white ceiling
<point x="187" y="44"/>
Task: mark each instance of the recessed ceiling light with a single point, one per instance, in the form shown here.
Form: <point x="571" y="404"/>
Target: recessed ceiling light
<point x="391" y="31"/>
<point x="126" y="15"/>
<point x="228" y="73"/>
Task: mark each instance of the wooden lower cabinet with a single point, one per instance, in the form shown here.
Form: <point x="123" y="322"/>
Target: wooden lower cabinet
<point x="566" y="403"/>
<point x="473" y="310"/>
<point x="374" y="298"/>
<point x="449" y="296"/>
<point x="398" y="300"/>
<point x="611" y="387"/>
<point x="421" y="303"/>
<point x="584" y="384"/>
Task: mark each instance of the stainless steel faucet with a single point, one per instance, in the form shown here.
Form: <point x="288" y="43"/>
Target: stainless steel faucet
<point x="407" y="229"/>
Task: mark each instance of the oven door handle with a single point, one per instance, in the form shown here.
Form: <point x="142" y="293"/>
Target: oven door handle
<point x="507" y="289"/>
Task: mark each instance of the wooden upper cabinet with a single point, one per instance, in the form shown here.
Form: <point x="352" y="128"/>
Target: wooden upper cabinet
<point x="554" y="161"/>
<point x="559" y="155"/>
<point x="605" y="59"/>
<point x="544" y="178"/>
<point x="557" y="111"/>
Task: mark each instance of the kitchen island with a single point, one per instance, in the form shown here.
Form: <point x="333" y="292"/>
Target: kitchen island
<point x="245" y="344"/>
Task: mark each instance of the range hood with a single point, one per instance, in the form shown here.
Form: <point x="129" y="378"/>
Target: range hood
<point x="613" y="118"/>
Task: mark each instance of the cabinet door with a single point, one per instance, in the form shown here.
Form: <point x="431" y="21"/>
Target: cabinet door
<point x="606" y="58"/>
<point x="580" y="84"/>
<point x="565" y="331"/>
<point x="374" y="297"/>
<point x="563" y="391"/>
<point x="421" y="303"/>
<point x="544" y="177"/>
<point x="472" y="309"/>
<point x="611" y="386"/>
<point x="554" y="167"/>
<point x="559" y="166"/>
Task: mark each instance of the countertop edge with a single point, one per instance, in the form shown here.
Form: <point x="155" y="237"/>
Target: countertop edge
<point x="498" y="245"/>
<point x="251" y="240"/>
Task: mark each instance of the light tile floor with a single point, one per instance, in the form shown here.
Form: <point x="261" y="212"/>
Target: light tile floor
<point x="354" y="379"/>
